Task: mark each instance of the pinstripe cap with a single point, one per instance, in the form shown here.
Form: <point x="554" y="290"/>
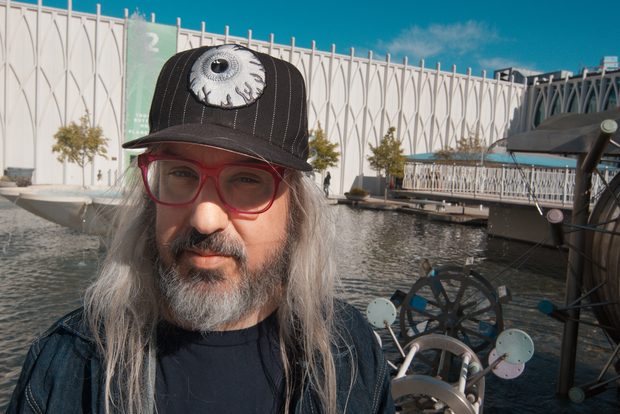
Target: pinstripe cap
<point x="232" y="98"/>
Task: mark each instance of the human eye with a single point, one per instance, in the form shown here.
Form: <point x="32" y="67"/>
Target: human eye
<point x="246" y="178"/>
<point x="180" y="171"/>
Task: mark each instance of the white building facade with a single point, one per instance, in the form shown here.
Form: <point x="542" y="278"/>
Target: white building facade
<point x="57" y="63"/>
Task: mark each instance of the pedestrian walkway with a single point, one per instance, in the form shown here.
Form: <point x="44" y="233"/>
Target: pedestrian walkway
<point x="432" y="210"/>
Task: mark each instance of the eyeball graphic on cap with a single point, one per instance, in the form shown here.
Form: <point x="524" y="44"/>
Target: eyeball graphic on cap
<point x="227" y="76"/>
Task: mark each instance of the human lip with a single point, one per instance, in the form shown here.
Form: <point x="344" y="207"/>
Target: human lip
<point x="202" y="258"/>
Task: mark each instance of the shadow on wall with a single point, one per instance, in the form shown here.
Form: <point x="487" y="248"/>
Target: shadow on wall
<point x="374" y="185"/>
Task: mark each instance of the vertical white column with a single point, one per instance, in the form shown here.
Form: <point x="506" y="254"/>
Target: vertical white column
<point x="431" y="144"/>
<point x="292" y="53"/>
<point x="583" y="97"/>
<point x="178" y="39"/>
<point x="311" y="72"/>
<point x="330" y="79"/>
<point x="509" y="122"/>
<point x="347" y="108"/>
<point x="37" y="122"/>
<point x="67" y="79"/>
<point x="466" y="103"/>
<point x="565" y="96"/>
<point x="446" y="143"/>
<point x="364" y="139"/>
<point x="121" y="156"/>
<point x="550" y="96"/>
<point x="601" y="90"/>
<point x="202" y="33"/>
<point x="94" y="118"/>
<point x="7" y="55"/>
<point x="496" y="88"/>
<point x="386" y="75"/>
<point x="417" y="108"/>
<point x="481" y="96"/>
<point x="401" y="134"/>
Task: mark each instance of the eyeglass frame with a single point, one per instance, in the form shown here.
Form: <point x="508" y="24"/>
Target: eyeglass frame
<point x="276" y="171"/>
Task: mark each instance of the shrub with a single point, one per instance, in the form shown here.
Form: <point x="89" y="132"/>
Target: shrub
<point x="358" y="192"/>
<point x="6" y="179"/>
<point x="23" y="182"/>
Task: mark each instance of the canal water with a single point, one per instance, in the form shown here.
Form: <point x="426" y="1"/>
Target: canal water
<point x="44" y="269"/>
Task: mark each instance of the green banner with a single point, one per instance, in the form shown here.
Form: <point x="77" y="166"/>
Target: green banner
<point x="149" y="46"/>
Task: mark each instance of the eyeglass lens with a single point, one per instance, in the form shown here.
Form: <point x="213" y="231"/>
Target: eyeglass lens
<point x="244" y="189"/>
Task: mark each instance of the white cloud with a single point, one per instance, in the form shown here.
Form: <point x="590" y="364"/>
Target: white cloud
<point x="497" y="63"/>
<point x="457" y="38"/>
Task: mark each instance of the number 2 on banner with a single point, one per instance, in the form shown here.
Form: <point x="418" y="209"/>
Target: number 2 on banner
<point x="154" y="39"/>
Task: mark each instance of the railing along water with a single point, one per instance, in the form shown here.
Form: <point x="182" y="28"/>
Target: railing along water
<point x="525" y="183"/>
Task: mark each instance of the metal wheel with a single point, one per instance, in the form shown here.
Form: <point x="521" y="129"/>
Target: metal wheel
<point x="604" y="248"/>
<point x="450" y="302"/>
<point x="431" y="395"/>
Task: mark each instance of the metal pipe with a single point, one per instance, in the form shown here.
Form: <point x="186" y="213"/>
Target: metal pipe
<point x="405" y="366"/>
<point x="611" y="359"/>
<point x="464" y="372"/>
<point x="402" y="353"/>
<point x="574" y="278"/>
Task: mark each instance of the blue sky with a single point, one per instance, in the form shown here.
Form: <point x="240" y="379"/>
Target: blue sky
<point x="489" y="35"/>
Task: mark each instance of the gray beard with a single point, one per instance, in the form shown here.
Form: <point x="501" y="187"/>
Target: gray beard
<point x="205" y="300"/>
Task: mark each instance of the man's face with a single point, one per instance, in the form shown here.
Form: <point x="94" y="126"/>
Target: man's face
<point x="212" y="253"/>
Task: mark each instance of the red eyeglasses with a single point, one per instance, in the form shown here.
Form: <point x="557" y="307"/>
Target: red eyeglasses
<point x="242" y="187"/>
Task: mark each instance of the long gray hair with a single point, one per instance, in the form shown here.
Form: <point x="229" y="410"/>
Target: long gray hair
<point x="123" y="304"/>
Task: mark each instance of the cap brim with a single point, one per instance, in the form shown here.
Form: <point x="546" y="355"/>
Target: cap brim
<point x="225" y="138"/>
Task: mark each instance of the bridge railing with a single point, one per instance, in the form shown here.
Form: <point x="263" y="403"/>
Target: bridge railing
<point x="550" y="185"/>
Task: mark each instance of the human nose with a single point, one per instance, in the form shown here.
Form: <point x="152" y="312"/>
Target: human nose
<point x="209" y="214"/>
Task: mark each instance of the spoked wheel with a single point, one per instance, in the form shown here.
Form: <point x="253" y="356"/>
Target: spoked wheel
<point x="431" y="395"/>
<point x="450" y="302"/>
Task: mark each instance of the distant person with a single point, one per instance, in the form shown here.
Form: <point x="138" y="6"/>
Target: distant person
<point x="99" y="176"/>
<point x="217" y="293"/>
<point x="326" y="181"/>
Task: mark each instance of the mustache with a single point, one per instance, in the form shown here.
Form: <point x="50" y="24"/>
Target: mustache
<point x="217" y="243"/>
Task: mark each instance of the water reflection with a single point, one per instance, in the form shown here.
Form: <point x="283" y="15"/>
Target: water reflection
<point x="378" y="252"/>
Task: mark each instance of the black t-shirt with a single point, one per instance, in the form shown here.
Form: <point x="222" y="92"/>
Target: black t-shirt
<point x="219" y="372"/>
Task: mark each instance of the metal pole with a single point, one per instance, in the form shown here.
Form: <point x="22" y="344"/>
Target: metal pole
<point x="574" y="278"/>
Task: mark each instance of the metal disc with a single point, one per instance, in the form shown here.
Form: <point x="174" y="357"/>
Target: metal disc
<point x="504" y="370"/>
<point x="380" y="311"/>
<point x="517" y="344"/>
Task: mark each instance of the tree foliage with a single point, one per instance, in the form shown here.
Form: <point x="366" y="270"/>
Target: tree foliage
<point x="326" y="154"/>
<point x="387" y="158"/>
<point x="468" y="150"/>
<point x="80" y="143"/>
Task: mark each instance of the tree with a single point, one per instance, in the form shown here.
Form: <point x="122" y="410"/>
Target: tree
<point x="468" y="150"/>
<point x="326" y="154"/>
<point x="80" y="143"/>
<point x="387" y="157"/>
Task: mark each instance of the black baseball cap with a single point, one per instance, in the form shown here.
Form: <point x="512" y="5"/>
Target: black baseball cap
<point x="233" y="98"/>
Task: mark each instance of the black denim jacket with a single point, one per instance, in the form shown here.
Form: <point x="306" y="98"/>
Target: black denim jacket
<point x="63" y="371"/>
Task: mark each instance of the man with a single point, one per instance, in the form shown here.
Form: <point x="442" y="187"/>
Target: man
<point x="217" y="291"/>
<point x="326" y="181"/>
